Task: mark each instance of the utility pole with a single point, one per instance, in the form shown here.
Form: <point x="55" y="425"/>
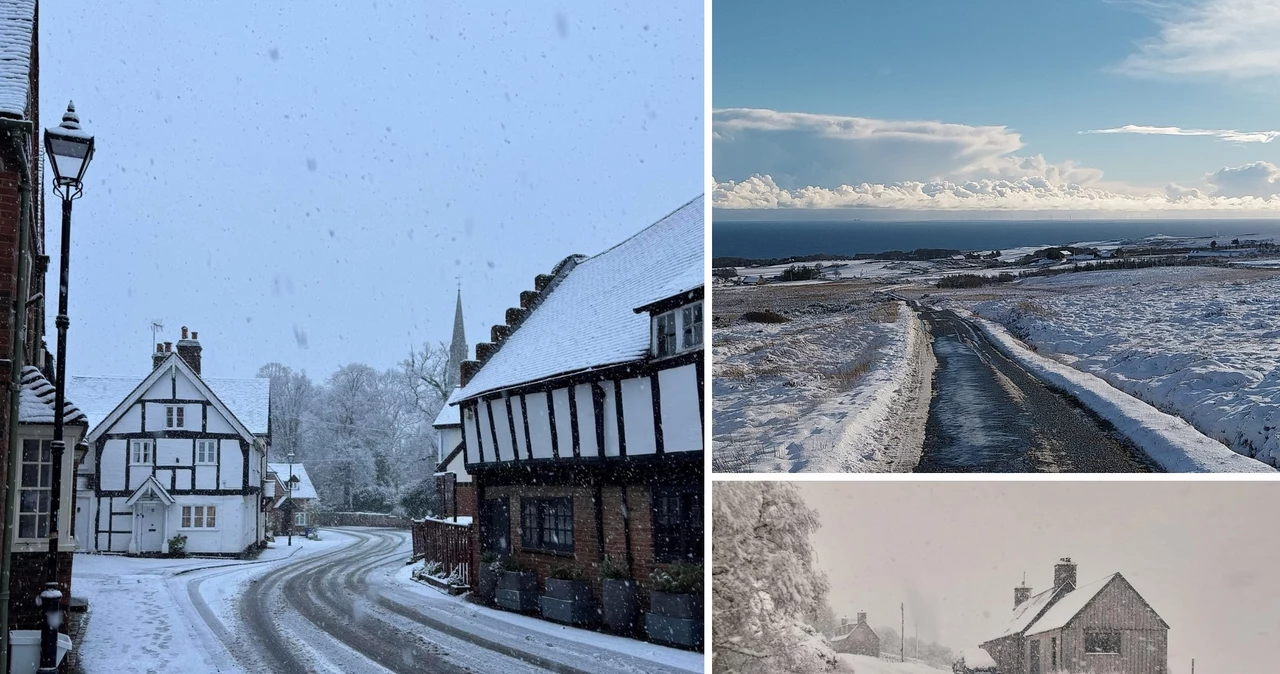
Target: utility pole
<point x="1193" y="666"/>
<point x="902" y="634"/>
<point x="917" y="639"/>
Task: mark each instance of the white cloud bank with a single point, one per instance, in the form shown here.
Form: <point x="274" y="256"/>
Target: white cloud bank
<point x="1022" y="194"/>
<point x="1229" y="135"/>
<point x="1236" y="39"/>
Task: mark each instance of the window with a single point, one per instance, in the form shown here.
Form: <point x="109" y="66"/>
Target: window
<point x="1102" y="642"/>
<point x="33" y="499"/>
<point x="677" y="524"/>
<point x="141" y="452"/>
<point x="495" y="526"/>
<point x="677" y="330"/>
<point x="546" y="524"/>
<point x="206" y="451"/>
<point x="691" y="324"/>
<point x="173" y="417"/>
<point x="1053" y="652"/>
<point x="300" y="519"/>
<point x="199" y="517"/>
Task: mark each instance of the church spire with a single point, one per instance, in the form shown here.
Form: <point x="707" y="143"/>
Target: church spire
<point x="457" y="347"/>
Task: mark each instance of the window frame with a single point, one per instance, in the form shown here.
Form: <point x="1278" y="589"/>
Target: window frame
<point x="188" y="521"/>
<point x="1110" y="635"/>
<point x="681" y="540"/>
<point x="148" y="455"/>
<point x="175" y="416"/>
<point x="664" y="344"/>
<point x="535" y="513"/>
<point x="209" y="450"/>
<point x="44" y="474"/>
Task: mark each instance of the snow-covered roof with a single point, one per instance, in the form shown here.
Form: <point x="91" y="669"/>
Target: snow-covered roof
<point x="248" y="400"/>
<point x="305" y="488"/>
<point x="17" y="18"/>
<point x="36" y="402"/>
<point x="448" y="416"/>
<point x="1026" y="612"/>
<point x="1069" y="605"/>
<point x="977" y="659"/>
<point x="588" y="319"/>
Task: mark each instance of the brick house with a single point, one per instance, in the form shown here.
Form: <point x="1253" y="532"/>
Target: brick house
<point x="582" y="420"/>
<point x="1102" y="626"/>
<point x="22" y="344"/>
<point x="279" y="501"/>
<point x="857" y="637"/>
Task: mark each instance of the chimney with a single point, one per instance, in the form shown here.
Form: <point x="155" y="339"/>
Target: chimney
<point x="158" y="357"/>
<point x="189" y="349"/>
<point x="1064" y="573"/>
<point x="862" y="617"/>
<point x="1020" y="595"/>
<point x="844" y="621"/>
<point x="168" y="347"/>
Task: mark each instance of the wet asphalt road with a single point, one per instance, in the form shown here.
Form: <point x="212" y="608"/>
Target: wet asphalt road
<point x="989" y="415"/>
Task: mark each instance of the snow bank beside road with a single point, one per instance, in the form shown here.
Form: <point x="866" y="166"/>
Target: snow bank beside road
<point x="1170" y="441"/>
<point x="1200" y="343"/>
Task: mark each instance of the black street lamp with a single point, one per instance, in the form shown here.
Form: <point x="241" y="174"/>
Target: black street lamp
<point x="289" y="484"/>
<point x="69" y="149"/>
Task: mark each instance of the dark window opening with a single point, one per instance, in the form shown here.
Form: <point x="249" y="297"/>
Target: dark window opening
<point x="546" y="524"/>
<point x="677" y="524"/>
<point x="1102" y="642"/>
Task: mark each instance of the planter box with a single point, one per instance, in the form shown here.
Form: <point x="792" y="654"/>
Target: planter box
<point x="570" y="602"/>
<point x="486" y="585"/>
<point x="621" y="605"/>
<point x="675" y="619"/>
<point x="518" y="591"/>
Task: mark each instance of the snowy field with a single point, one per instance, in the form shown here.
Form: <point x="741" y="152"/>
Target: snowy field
<point x="865" y="664"/>
<point x="833" y="389"/>
<point x="1196" y="342"/>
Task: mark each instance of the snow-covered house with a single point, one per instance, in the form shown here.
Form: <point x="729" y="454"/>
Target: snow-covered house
<point x="452" y="478"/>
<point x="1102" y="626"/>
<point x="857" y="637"/>
<point x="582" y="420"/>
<point x="173" y="453"/>
<point x="296" y="502"/>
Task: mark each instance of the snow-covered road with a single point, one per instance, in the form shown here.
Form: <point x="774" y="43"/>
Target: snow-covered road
<point x="344" y="604"/>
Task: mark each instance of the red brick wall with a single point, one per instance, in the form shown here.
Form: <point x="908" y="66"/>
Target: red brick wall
<point x="465" y="493"/>
<point x="28" y="581"/>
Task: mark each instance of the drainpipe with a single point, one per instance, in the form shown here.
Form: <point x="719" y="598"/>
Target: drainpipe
<point x="19" y="132"/>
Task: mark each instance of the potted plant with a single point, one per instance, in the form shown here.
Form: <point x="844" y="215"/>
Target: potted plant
<point x="488" y="581"/>
<point x="675" y="605"/>
<point x="569" y="598"/>
<point x="621" y="597"/>
<point x="517" y="587"/>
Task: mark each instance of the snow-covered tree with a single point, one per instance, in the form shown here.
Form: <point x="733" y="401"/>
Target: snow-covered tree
<point x="766" y="591"/>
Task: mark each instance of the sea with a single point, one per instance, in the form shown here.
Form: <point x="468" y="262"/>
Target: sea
<point x="762" y="239"/>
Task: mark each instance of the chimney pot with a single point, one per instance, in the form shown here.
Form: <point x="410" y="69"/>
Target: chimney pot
<point x="184" y="332"/>
<point x="168" y="346"/>
<point x="195" y="335"/>
<point x="159" y="347"/>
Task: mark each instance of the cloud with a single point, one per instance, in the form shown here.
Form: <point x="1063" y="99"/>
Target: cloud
<point x="1258" y="179"/>
<point x="800" y="149"/>
<point x="1230" y="135"/>
<point x="1235" y="39"/>
<point x="1022" y="194"/>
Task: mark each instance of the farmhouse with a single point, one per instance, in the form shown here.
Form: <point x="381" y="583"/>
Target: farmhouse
<point x="582" y="419"/>
<point x="172" y="454"/>
<point x="857" y="638"/>
<point x="1102" y="626"/>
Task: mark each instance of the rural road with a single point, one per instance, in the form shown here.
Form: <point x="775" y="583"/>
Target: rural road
<point x="990" y="415"/>
<point x="344" y="611"/>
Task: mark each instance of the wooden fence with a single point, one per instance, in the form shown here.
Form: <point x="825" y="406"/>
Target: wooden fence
<point x="446" y="542"/>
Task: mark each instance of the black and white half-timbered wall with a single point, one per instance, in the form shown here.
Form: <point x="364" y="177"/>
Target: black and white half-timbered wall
<point x="174" y="454"/>
<point x="582" y="418"/>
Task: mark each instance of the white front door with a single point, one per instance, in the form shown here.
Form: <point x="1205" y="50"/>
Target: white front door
<point x="151" y="523"/>
<point x="84" y="536"/>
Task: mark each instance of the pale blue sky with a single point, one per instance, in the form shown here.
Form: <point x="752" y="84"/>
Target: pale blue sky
<point x="1045" y="71"/>
<point x="267" y="171"/>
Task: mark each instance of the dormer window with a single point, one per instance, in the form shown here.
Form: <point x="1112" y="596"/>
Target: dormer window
<point x="677" y="330"/>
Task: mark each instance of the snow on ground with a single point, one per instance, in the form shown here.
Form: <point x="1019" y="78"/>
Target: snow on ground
<point x="443" y="604"/>
<point x="826" y="391"/>
<point x="865" y="664"/>
<point x="142" y="618"/>
<point x="1196" y="342"/>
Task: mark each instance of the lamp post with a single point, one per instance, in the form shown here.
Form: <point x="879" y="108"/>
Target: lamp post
<point x="289" y="485"/>
<point x="69" y="149"/>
